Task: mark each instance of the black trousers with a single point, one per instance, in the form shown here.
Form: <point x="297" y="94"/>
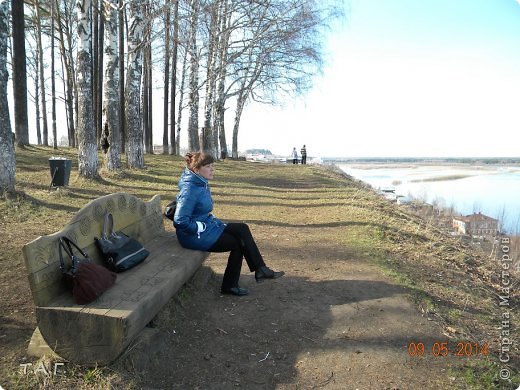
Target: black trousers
<point x="238" y="240"/>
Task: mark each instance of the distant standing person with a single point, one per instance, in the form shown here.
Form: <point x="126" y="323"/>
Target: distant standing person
<point x="294" y="156"/>
<point x="304" y="155"/>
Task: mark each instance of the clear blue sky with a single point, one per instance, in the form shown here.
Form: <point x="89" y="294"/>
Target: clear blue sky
<point x="407" y="78"/>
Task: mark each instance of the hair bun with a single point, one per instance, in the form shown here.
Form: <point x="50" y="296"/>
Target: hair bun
<point x="188" y="158"/>
<point x="197" y="160"/>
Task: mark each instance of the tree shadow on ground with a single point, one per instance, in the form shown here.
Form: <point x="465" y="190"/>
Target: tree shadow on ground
<point x="383" y="228"/>
<point x="257" y="341"/>
<point x="50" y="205"/>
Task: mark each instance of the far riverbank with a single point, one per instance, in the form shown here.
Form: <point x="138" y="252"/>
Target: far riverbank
<point x="467" y="188"/>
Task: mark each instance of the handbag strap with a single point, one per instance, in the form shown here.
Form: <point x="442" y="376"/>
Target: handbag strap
<point x="66" y="244"/>
<point x="63" y="248"/>
<point x="108" y="226"/>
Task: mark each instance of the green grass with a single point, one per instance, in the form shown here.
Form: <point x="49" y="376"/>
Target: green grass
<point x="483" y="375"/>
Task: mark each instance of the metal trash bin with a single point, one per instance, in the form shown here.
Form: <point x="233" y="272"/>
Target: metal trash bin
<point x="60" y="171"/>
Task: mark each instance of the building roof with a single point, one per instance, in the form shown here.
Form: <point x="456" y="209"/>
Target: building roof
<point x="475" y="217"/>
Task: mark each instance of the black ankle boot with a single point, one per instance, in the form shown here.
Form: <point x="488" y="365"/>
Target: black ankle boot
<point x="238" y="291"/>
<point x="266" y="273"/>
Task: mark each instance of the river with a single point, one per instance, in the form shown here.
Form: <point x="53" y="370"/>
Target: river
<point x="491" y="190"/>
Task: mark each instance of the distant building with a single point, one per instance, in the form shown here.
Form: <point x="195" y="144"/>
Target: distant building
<point x="476" y="224"/>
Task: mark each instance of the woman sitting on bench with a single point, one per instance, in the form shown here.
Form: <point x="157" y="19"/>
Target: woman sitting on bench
<point x="198" y="229"/>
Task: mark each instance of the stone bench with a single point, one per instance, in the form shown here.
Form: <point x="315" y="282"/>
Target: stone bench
<point x="99" y="332"/>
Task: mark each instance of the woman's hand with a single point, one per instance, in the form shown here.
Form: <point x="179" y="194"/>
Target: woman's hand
<point x="201" y="226"/>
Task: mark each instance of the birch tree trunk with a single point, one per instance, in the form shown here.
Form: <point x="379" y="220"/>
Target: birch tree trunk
<point x="33" y="69"/>
<point x="241" y="101"/>
<point x="145" y="95"/>
<point x="88" y="158"/>
<point x="174" y="140"/>
<point x="181" y="100"/>
<point x="223" y="44"/>
<point x="193" y="122"/>
<point x="244" y="92"/>
<point x="42" y="73"/>
<point x="167" y="43"/>
<point x="53" y="80"/>
<point x="111" y="131"/>
<point x="208" y="140"/>
<point x="149" y="135"/>
<point x="121" y="45"/>
<point x="147" y="83"/>
<point x="37" y="106"/>
<point x="98" y="70"/>
<point x="7" y="154"/>
<point x="134" y="134"/>
<point x="21" y="121"/>
<point x="69" y="74"/>
<point x="147" y="90"/>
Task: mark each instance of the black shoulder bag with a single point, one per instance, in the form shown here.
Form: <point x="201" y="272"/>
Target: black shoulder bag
<point x="119" y="251"/>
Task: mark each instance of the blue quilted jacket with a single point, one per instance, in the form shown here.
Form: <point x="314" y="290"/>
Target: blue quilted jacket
<point x="196" y="227"/>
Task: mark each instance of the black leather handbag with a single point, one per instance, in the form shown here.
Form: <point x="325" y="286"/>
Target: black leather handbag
<point x="119" y="251"/>
<point x="86" y="279"/>
<point x="169" y="210"/>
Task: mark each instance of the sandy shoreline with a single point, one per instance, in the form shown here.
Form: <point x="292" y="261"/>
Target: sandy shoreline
<point x="427" y="172"/>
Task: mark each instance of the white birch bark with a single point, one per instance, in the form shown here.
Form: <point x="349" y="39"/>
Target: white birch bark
<point x="111" y="131"/>
<point x="223" y="44"/>
<point x="7" y="153"/>
<point x="193" y="102"/>
<point x="37" y="99"/>
<point x="166" y="149"/>
<point x="181" y="102"/>
<point x="53" y="79"/>
<point x="209" y="146"/>
<point x="241" y="101"/>
<point x="173" y="139"/>
<point x="88" y="158"/>
<point x="134" y="145"/>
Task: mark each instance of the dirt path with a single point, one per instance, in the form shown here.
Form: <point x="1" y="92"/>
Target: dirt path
<point x="332" y="322"/>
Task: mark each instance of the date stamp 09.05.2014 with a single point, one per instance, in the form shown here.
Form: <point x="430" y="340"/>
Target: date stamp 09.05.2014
<point x="446" y="348"/>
